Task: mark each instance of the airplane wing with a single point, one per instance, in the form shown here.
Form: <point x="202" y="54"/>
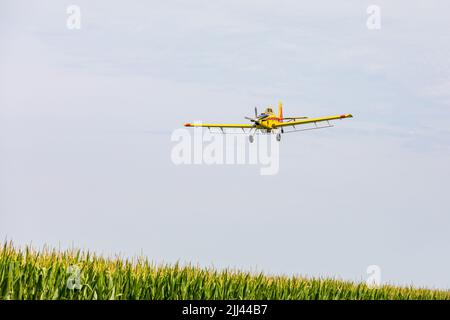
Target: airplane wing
<point x="294" y="118"/>
<point x="219" y="125"/>
<point x="311" y="120"/>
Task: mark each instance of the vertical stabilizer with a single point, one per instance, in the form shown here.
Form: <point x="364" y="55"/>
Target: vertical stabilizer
<point x="280" y="111"/>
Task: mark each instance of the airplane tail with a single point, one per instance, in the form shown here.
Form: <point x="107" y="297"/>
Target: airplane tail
<point x="280" y="111"/>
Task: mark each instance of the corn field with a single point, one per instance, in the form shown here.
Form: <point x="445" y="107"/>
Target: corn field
<point x="74" y="274"/>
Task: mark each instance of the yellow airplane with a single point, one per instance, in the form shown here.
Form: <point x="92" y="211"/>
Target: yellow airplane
<point x="269" y="122"/>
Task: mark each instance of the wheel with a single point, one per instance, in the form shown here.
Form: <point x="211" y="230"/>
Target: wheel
<point x="251" y="138"/>
<point x="278" y="136"/>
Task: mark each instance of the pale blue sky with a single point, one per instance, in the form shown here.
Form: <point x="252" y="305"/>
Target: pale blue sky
<point x="86" y="116"/>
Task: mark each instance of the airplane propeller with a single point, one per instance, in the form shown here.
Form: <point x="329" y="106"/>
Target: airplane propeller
<point x="254" y="120"/>
<point x="257" y="118"/>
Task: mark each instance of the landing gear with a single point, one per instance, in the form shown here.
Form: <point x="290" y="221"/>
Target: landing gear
<point x="278" y="136"/>
<point x="251" y="138"/>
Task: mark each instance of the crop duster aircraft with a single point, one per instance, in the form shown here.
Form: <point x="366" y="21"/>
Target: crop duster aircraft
<point x="269" y="123"/>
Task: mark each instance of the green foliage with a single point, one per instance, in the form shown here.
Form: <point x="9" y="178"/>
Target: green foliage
<point x="48" y="274"/>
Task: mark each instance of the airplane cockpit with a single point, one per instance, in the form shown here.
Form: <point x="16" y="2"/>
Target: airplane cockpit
<point x="266" y="113"/>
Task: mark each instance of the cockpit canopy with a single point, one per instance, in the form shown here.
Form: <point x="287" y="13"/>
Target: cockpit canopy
<point x="266" y="113"/>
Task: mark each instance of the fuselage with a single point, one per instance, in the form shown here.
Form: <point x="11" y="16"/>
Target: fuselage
<point x="267" y="120"/>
